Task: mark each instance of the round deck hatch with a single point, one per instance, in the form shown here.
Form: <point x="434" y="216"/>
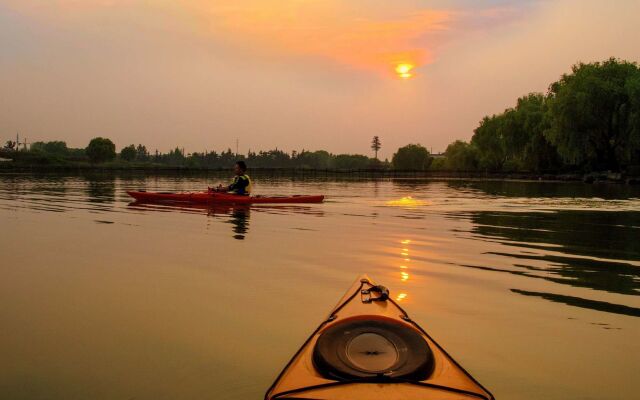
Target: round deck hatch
<point x="370" y="349"/>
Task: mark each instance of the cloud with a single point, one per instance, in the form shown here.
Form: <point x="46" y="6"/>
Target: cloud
<point x="376" y="38"/>
<point x="331" y="31"/>
<point x="361" y="35"/>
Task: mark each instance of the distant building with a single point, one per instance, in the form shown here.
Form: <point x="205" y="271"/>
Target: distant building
<point x="438" y="155"/>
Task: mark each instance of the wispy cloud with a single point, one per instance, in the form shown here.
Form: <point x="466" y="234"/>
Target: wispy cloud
<point x="370" y="36"/>
<point x="331" y="31"/>
<point x="358" y="37"/>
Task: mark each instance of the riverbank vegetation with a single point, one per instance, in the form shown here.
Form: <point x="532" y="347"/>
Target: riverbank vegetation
<point x="588" y="121"/>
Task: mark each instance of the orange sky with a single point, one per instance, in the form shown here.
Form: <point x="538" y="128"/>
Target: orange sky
<point x="288" y="73"/>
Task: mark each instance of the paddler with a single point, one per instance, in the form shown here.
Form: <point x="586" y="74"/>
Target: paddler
<point x="241" y="184"/>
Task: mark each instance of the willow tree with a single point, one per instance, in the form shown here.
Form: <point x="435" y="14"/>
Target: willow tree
<point x="595" y="115"/>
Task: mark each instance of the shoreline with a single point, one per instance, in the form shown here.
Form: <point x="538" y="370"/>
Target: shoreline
<point x="594" y="177"/>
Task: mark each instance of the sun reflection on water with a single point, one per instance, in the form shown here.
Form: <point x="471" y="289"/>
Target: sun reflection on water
<point x="407" y="201"/>
<point x="404" y="267"/>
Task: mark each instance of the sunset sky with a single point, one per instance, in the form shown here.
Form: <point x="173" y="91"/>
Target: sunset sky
<point x="291" y="74"/>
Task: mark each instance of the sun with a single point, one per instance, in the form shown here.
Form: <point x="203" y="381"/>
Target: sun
<point x="404" y="70"/>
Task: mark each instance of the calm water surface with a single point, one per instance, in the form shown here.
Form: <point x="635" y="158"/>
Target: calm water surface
<point x="533" y="287"/>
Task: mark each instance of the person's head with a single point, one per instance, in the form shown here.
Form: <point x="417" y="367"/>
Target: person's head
<point x="240" y="168"/>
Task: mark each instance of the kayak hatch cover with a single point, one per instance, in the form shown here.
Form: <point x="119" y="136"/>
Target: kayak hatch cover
<point x="369" y="348"/>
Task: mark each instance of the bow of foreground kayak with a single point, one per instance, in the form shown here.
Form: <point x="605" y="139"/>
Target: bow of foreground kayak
<point x="369" y="348"/>
<point x="214" y="197"/>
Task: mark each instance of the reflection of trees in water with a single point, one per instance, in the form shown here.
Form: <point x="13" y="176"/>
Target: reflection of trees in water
<point x="101" y="188"/>
<point x="548" y="189"/>
<point x="575" y="247"/>
<point x="50" y="185"/>
<point x="583" y="303"/>
<point x="602" y="234"/>
<point x="411" y="184"/>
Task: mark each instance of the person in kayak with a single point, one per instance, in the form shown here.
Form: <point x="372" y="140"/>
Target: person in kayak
<point x="241" y="184"/>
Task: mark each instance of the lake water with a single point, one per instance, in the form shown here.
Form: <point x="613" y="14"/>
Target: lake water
<point x="533" y="287"/>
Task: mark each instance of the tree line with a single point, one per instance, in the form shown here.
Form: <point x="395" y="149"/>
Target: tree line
<point x="589" y="120"/>
<point x="103" y="151"/>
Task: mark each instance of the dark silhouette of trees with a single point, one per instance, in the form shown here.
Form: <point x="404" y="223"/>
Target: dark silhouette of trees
<point x="376" y="145"/>
<point x="174" y="158"/>
<point x="461" y="156"/>
<point x="351" y="161"/>
<point x="313" y="159"/>
<point x="141" y="153"/>
<point x="412" y="157"/>
<point x="128" y="153"/>
<point x="100" y="150"/>
<point x="57" y="148"/>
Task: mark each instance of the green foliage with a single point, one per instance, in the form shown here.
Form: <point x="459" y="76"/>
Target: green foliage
<point x="515" y="140"/>
<point x="439" y="164"/>
<point x="57" y="148"/>
<point x="630" y="154"/>
<point x="489" y="141"/>
<point x="174" y="158"/>
<point x="128" y="153"/>
<point x="351" y="161"/>
<point x="594" y="114"/>
<point x="412" y="157"/>
<point x="533" y="152"/>
<point x="100" y="150"/>
<point x="589" y="120"/>
<point x="313" y="159"/>
<point x="271" y="159"/>
<point x="459" y="156"/>
<point x="76" y="154"/>
<point x="141" y="153"/>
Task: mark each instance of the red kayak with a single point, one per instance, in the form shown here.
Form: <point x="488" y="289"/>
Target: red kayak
<point x="214" y="197"/>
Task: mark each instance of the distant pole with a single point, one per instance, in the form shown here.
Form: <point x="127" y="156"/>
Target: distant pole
<point x="237" y="144"/>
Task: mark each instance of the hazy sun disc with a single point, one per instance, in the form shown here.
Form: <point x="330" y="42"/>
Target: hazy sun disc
<point x="404" y="70"/>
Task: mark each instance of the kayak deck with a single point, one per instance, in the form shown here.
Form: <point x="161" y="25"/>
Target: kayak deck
<point x="215" y="197"/>
<point x="305" y="377"/>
